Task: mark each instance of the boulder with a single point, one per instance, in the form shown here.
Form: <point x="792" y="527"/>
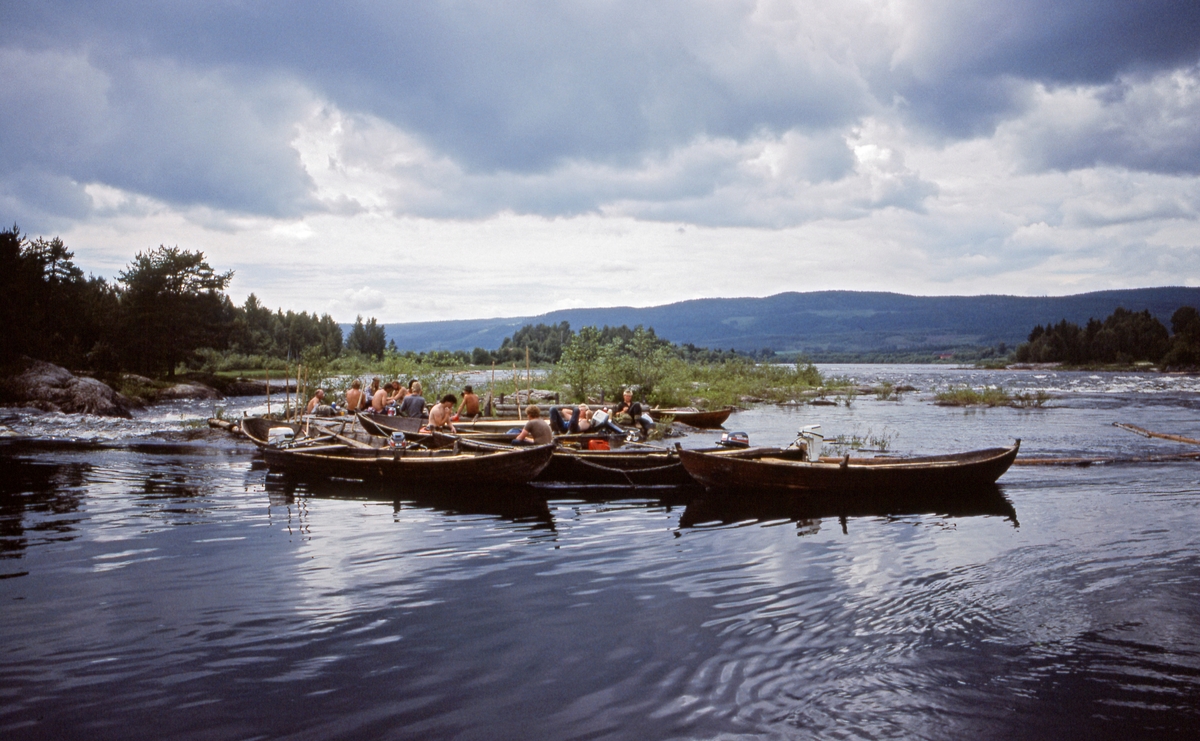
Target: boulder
<point x="51" y="388"/>
<point x="187" y="391"/>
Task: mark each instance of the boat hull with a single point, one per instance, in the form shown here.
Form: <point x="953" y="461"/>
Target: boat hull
<point x="759" y="469"/>
<point x="407" y="469"/>
<point x="693" y="417"/>
<point x="388" y="424"/>
<point x="616" y="468"/>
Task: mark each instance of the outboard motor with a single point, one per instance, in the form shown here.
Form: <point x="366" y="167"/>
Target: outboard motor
<point x="734" y="440"/>
<point x="813" y="441"/>
<point x="280" y="437"/>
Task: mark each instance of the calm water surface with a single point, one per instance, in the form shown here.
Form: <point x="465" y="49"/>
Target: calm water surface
<point x="156" y="587"/>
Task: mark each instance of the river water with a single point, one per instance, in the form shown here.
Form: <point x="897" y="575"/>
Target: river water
<point x="157" y="583"/>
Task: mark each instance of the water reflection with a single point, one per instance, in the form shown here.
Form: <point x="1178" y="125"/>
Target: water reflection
<point x="808" y="509"/>
<point x="512" y="504"/>
<point x="38" y="501"/>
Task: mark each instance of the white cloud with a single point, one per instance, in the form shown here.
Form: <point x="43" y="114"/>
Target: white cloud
<point x="364" y="299"/>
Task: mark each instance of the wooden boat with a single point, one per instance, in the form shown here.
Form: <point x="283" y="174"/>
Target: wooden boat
<point x="775" y="469"/>
<point x="624" y="467"/>
<point x="446" y="468"/>
<point x="646" y="466"/>
<point x="371" y="426"/>
<point x="490" y="424"/>
<point x="392" y="423"/>
<point x="257" y="428"/>
<point x="693" y="417"/>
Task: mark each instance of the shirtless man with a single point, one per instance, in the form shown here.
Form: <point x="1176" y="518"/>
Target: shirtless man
<point x="379" y="400"/>
<point x="470" y="403"/>
<point x="536" y="431"/>
<point x="314" y="402"/>
<point x="354" y="396"/>
<point x="440" y="413"/>
<point x="584" y="422"/>
<point x="398" y="395"/>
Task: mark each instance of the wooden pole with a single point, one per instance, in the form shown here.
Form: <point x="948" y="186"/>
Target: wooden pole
<point x="528" y="377"/>
<point x="491" y="391"/>
<point x="517" y="390"/>
<point x="268" y="392"/>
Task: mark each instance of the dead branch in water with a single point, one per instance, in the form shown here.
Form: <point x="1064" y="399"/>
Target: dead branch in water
<point x="1147" y="433"/>
<point x="1110" y="460"/>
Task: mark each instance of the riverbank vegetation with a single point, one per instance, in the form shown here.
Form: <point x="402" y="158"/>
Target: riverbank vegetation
<point x="990" y="396"/>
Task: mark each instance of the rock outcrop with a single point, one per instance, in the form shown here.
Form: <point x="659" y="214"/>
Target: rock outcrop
<point x="51" y="388"/>
<point x="188" y="391"/>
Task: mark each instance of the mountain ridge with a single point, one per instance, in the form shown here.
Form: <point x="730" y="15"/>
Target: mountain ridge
<point x="820" y="321"/>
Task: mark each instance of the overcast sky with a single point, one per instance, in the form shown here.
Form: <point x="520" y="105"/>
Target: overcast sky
<point x="448" y="160"/>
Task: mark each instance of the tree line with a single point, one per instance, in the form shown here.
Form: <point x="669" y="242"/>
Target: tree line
<point x="164" y="310"/>
<point x="1124" y="337"/>
<point x="169" y="309"/>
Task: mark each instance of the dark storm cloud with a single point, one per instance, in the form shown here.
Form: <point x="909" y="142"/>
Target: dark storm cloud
<point x="184" y="136"/>
<point x="963" y="58"/>
<point x="198" y="102"/>
<point x="516" y="86"/>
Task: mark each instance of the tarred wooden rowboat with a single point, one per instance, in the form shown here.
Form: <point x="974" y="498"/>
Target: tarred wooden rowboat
<point x="775" y="469"/>
<point x="645" y="466"/>
<point x="257" y="428"/>
<point x="694" y="417"/>
<point x="616" y="468"/>
<point x="392" y="423"/>
<point x="465" y="431"/>
<point x="444" y="468"/>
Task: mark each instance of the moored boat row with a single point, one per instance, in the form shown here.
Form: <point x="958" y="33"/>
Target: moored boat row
<point x="417" y="457"/>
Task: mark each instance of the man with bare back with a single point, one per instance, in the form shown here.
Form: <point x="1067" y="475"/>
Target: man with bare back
<point x="379" y="400"/>
<point x="354" y="396"/>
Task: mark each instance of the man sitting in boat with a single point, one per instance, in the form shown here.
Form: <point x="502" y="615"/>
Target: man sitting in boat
<point x="536" y="431"/>
<point x="413" y="404"/>
<point x="632" y="409"/>
<point x="355" y="399"/>
<point x="399" y="391"/>
<point x="440" y="414"/>
<point x="317" y="406"/>
<point x="470" y="403"/>
<point x="379" y="398"/>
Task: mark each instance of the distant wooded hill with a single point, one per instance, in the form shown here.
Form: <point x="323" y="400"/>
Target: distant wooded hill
<point x="821" y="323"/>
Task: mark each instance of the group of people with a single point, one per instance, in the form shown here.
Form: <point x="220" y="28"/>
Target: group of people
<point x="580" y="419"/>
<point x="405" y="400"/>
<point x="394" y="397"/>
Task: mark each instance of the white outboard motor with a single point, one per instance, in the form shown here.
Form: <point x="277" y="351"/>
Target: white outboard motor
<point x="813" y="440"/>
<point x="280" y="437"/>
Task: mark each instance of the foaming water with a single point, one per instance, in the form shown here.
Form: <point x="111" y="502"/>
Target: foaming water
<point x="160" y="587"/>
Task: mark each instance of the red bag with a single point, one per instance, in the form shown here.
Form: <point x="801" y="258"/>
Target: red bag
<point x="597" y="445"/>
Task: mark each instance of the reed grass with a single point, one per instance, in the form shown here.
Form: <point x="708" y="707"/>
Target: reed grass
<point x="965" y="396"/>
